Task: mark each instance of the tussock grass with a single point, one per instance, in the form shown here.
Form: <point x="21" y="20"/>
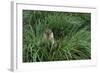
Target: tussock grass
<point x="72" y="34"/>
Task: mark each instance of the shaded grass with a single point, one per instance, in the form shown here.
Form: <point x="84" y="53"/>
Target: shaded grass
<point x="72" y="36"/>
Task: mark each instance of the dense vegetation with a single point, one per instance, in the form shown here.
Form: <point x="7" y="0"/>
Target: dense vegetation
<point x="72" y="34"/>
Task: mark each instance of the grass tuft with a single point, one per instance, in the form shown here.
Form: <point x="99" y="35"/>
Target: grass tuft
<point x="72" y="35"/>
